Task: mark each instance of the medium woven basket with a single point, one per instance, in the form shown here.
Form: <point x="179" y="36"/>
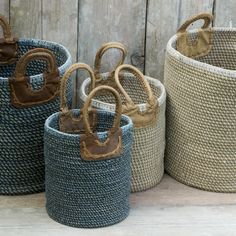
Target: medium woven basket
<point x="24" y="108"/>
<point x="88" y="162"/>
<point x="200" y="79"/>
<point x="149" y="129"/>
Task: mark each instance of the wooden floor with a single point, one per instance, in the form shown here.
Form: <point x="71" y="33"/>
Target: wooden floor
<point x="169" y="209"/>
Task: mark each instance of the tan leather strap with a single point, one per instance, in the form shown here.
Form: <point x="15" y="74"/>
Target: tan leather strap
<point x="91" y="148"/>
<point x="140" y="119"/>
<point x="22" y="95"/>
<point x="67" y="122"/>
<point x="202" y="44"/>
<point x="98" y="59"/>
<point x="8" y="44"/>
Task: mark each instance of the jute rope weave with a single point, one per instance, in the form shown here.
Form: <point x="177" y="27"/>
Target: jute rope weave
<point x="201" y="111"/>
<point x="21" y="129"/>
<point x="87" y="189"/>
<point x="149" y="140"/>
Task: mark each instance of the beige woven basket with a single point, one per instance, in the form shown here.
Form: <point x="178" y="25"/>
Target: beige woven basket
<point x="200" y="80"/>
<point x="148" y="117"/>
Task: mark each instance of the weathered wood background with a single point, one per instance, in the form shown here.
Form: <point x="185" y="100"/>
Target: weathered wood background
<point x="144" y="26"/>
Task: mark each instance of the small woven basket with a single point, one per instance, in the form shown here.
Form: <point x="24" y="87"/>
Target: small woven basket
<point x="27" y="98"/>
<point x="88" y="162"/>
<point x="200" y="79"/>
<point x="148" y="118"/>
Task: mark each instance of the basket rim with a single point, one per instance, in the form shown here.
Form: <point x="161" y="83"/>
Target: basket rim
<point x="200" y="65"/>
<point x="48" y="128"/>
<point x="142" y="106"/>
<point x="46" y="42"/>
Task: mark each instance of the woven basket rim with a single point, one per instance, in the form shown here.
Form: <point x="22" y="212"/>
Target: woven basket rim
<point x="48" y="128"/>
<point x="201" y="65"/>
<point x="48" y="43"/>
<point x="142" y="106"/>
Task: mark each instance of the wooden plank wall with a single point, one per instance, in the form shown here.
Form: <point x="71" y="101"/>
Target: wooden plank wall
<point x="144" y="26"/>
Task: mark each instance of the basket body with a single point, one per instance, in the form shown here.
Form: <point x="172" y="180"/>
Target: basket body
<point x="83" y="193"/>
<point x="201" y="115"/>
<point x="21" y="130"/>
<point x="148" y="142"/>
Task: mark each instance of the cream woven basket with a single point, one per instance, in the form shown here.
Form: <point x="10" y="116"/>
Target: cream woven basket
<point x="200" y="80"/>
<point x="149" y="125"/>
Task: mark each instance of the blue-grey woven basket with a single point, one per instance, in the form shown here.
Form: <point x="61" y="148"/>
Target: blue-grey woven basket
<point x="83" y="193"/>
<point x="21" y="129"/>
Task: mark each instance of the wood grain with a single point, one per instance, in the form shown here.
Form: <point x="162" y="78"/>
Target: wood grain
<point x="25" y="18"/>
<point x="225" y="13"/>
<point x="171" y="208"/>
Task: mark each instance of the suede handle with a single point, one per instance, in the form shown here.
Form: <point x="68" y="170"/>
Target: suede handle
<point x="101" y="52"/>
<point x="140" y="119"/>
<point x="8" y="44"/>
<point x="21" y="92"/>
<point x="118" y="111"/>
<point x="207" y="17"/>
<point x="72" y="68"/>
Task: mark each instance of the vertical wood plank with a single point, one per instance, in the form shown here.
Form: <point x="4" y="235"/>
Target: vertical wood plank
<point x="25" y="18"/>
<point x="4" y="8"/>
<point x="162" y="22"/>
<point x="111" y="20"/>
<point x="59" y="22"/>
<point x="225" y="13"/>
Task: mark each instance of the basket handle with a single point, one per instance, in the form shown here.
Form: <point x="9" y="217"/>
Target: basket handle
<point x="100" y="53"/>
<point x="207" y="17"/>
<point x="140" y="119"/>
<point x="21" y="93"/>
<point x="67" y="122"/>
<point x="202" y="44"/>
<point x="91" y="148"/>
<point x="71" y="69"/>
<point x="8" y="44"/>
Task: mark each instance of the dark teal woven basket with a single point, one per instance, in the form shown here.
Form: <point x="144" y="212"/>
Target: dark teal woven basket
<point x="84" y="189"/>
<point x="21" y="128"/>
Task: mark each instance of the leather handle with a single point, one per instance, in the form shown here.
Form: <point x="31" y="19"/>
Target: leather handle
<point x="118" y="111"/>
<point x="207" y="17"/>
<point x="91" y="148"/>
<point x="6" y="28"/>
<point x="8" y="44"/>
<point x="71" y="69"/>
<point x="35" y="54"/>
<point x="101" y="52"/>
<point x="140" y="119"/>
<point x="21" y="93"/>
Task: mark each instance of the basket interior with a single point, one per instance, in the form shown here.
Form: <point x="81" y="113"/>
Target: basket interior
<point x="223" y="52"/>
<point x="133" y="88"/>
<point x="37" y="66"/>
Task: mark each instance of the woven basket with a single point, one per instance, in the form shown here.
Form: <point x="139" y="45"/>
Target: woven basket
<point x="149" y="127"/>
<point x="23" y="110"/>
<point x="200" y="79"/>
<point x="87" y="158"/>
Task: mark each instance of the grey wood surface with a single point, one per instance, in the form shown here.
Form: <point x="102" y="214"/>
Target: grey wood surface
<point x="170" y="208"/>
<point x="4" y="8"/>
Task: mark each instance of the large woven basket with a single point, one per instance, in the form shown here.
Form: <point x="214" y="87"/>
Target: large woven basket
<point x="87" y="157"/>
<point x="149" y="129"/>
<point x="200" y="79"/>
<point x="24" y="108"/>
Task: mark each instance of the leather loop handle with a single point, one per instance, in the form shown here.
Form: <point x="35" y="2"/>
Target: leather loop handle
<point x="72" y="68"/>
<point x="21" y="93"/>
<point x="6" y="28"/>
<point x="118" y="111"/>
<point x="100" y="53"/>
<point x="139" y="118"/>
<point x="8" y="44"/>
<point x="140" y="77"/>
<point x="207" y="17"/>
<point x="35" y="54"/>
